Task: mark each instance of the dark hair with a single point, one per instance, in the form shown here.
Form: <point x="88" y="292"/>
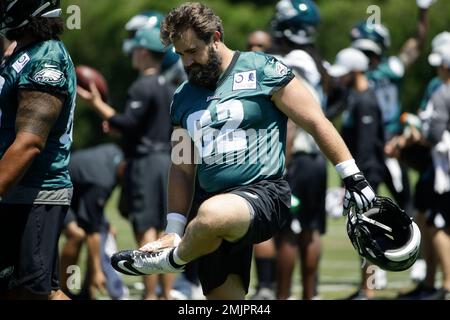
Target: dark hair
<point x="40" y="28"/>
<point x="191" y="15"/>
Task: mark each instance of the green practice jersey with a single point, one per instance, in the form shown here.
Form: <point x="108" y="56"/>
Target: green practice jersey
<point x="47" y="67"/>
<point x="238" y="132"/>
<point x="386" y="80"/>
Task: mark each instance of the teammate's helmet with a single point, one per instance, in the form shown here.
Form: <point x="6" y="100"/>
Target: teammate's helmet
<point x="149" y="19"/>
<point x="370" y="37"/>
<point x="296" y="20"/>
<point x="144" y="19"/>
<point x="385" y="235"/>
<point x="16" y="14"/>
<point x="148" y="38"/>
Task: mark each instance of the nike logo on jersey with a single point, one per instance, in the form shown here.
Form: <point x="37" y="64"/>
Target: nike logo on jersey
<point x="244" y="80"/>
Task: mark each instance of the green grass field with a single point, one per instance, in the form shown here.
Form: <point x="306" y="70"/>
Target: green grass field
<point x="339" y="267"/>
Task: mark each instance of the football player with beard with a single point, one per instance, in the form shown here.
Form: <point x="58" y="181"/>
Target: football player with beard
<point x="230" y="118"/>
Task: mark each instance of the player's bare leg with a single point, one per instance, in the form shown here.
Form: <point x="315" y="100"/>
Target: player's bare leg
<point x="286" y="259"/>
<point x="441" y="241"/>
<point x="309" y="245"/>
<point x="71" y="251"/>
<point x="231" y="289"/>
<point x="223" y="217"/>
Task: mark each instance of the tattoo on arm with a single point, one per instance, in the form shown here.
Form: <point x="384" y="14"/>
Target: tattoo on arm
<point x="37" y="112"/>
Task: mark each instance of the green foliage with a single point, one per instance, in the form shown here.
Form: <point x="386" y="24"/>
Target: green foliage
<point x="99" y="41"/>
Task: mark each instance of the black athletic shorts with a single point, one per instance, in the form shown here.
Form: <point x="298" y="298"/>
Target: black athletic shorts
<point x="88" y="203"/>
<point x="307" y="176"/>
<point x="439" y="215"/>
<point x="29" y="247"/>
<point x="145" y="191"/>
<point x="270" y="202"/>
<point x="424" y="191"/>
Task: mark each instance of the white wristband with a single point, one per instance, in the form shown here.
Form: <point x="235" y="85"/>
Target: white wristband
<point x="176" y="223"/>
<point x="347" y="168"/>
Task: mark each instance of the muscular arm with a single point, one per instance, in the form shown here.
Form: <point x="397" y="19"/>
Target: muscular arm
<point x="181" y="176"/>
<point x="296" y="102"/>
<point x="36" y="115"/>
<point x="412" y="47"/>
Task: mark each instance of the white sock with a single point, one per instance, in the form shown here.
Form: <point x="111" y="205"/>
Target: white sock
<point x="177" y="259"/>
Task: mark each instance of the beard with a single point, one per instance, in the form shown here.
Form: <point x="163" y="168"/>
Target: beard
<point x="206" y="75"/>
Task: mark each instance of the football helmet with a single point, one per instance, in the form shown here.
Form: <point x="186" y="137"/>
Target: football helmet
<point x="384" y="235"/>
<point x="370" y="37"/>
<point x="148" y="19"/>
<point x="296" y="20"/>
<point x="16" y="14"/>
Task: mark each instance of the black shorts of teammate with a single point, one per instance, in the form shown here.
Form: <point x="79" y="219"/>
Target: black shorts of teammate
<point x="424" y="191"/>
<point x="269" y="202"/>
<point x="88" y="205"/>
<point x="145" y="191"/>
<point x="29" y="247"/>
<point x="307" y="176"/>
<point x="439" y="215"/>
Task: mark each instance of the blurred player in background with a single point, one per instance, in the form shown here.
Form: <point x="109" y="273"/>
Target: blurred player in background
<point x="295" y="31"/>
<point x="145" y="129"/>
<point x="385" y="75"/>
<point x="409" y="149"/>
<point x="259" y="41"/>
<point x="362" y="128"/>
<point x="37" y="101"/>
<point x="95" y="172"/>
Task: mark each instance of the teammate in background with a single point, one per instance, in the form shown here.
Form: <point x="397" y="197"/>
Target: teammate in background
<point x="362" y="128"/>
<point x="433" y="187"/>
<point x="385" y="75"/>
<point x="171" y="66"/>
<point x="295" y="30"/>
<point x="436" y="133"/>
<point x="265" y="252"/>
<point x="94" y="172"/>
<point x="145" y="129"/>
<point x="259" y="41"/>
<point x="246" y="203"/>
<point x="408" y="148"/>
<point x="37" y="102"/>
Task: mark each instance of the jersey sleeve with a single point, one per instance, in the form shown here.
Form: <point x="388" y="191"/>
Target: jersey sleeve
<point x="44" y="75"/>
<point x="274" y="75"/>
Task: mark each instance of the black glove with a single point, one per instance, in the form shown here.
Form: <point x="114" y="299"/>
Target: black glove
<point x="358" y="192"/>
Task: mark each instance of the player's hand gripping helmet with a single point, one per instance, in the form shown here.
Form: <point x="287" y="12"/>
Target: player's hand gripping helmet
<point x="16" y="14"/>
<point x="384" y="235"/>
<point x="370" y="37"/>
<point x="296" y="20"/>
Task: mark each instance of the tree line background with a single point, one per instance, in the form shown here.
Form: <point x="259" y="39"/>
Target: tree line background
<point x="99" y="41"/>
